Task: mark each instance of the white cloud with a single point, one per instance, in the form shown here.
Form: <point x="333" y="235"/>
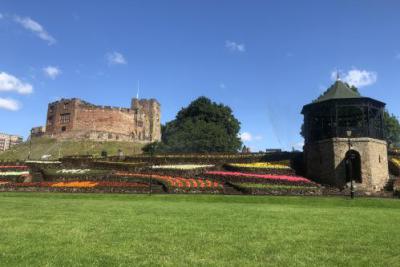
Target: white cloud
<point x="248" y="137"/>
<point x="9" y="104"/>
<point x="356" y="77"/>
<point x="51" y="72"/>
<point x="36" y="28"/>
<point x="235" y="47"/>
<point x="222" y="86"/>
<point x="10" y="83"/>
<point x="115" y="58"/>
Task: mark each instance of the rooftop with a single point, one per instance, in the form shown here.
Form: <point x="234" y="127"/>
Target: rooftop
<point x="338" y="90"/>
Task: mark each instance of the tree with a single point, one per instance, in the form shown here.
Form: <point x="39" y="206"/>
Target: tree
<point x="203" y="126"/>
<point x="392" y="128"/>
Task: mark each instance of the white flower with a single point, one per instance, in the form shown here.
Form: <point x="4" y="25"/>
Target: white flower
<point x="13" y="173"/>
<point x="74" y="171"/>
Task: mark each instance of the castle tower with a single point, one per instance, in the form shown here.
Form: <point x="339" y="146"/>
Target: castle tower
<point x="152" y="111"/>
<point x="343" y="131"/>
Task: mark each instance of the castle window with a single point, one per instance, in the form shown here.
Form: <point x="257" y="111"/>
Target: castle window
<point x="139" y="124"/>
<point x="50" y="120"/>
<point x="117" y="137"/>
<point x="66" y="105"/>
<point x="65" y="118"/>
<point x="109" y="136"/>
<point x="51" y="109"/>
<point x="63" y="129"/>
<point x="379" y="158"/>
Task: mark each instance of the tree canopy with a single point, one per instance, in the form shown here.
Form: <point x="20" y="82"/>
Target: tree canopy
<point x="203" y="126"/>
<point x="392" y="129"/>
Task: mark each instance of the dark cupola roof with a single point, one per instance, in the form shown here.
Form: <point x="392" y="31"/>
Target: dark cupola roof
<point x="337" y="91"/>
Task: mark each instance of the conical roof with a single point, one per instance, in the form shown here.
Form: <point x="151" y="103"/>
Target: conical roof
<point x="338" y="90"/>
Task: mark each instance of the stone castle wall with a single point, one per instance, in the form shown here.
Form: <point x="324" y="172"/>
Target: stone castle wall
<point x="74" y="118"/>
<point x="325" y="162"/>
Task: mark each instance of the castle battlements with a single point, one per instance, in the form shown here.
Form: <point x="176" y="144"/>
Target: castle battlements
<point x="73" y="117"/>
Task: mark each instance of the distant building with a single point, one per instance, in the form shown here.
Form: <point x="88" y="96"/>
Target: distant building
<point x="38" y="131"/>
<point x="8" y="140"/>
<point x="77" y="119"/>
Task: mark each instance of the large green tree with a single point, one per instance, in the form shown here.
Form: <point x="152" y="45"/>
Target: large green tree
<point x="392" y="129"/>
<point x="203" y="126"/>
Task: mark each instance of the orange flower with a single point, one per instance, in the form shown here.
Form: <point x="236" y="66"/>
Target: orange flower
<point x="75" y="184"/>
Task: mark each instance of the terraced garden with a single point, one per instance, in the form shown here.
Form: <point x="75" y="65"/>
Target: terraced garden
<point x="143" y="177"/>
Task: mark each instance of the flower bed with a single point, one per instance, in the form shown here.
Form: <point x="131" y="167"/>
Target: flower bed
<point x="280" y="167"/>
<point x="181" y="167"/>
<point x="80" y="174"/>
<point x="43" y="161"/>
<point x="14" y="176"/>
<point x="13" y="167"/>
<point x="181" y="170"/>
<point x="78" y="186"/>
<point x="179" y="184"/>
<point x="117" y="165"/>
<point x="14" y="173"/>
<point x="259" y="178"/>
<point x="394" y="166"/>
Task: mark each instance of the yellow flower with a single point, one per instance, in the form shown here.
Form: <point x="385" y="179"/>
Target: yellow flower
<point x="396" y="161"/>
<point x="261" y="165"/>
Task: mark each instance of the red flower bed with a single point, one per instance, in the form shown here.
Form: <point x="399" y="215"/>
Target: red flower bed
<point x="121" y="184"/>
<point x="13" y="167"/>
<point x="178" y="182"/>
<point x="252" y="177"/>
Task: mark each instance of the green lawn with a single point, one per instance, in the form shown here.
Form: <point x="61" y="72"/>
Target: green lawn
<point x="39" y="229"/>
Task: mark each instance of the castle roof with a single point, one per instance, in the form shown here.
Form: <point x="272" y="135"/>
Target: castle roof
<point x="338" y="90"/>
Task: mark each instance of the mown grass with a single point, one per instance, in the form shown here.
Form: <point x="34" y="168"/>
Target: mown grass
<point x="39" y="229"/>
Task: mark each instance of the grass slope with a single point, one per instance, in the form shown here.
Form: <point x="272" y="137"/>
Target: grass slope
<point x="39" y="229"/>
<point x="48" y="146"/>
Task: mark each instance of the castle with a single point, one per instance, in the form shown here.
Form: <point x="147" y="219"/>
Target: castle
<point x="78" y="119"/>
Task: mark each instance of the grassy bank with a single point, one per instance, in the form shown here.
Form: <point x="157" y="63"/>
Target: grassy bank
<point x="39" y="229"/>
<point x="48" y="146"/>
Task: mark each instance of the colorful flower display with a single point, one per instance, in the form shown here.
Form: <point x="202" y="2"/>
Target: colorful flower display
<point x="264" y="178"/>
<point x="181" y="167"/>
<point x="177" y="182"/>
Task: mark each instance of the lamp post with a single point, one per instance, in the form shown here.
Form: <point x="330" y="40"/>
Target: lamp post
<point x="350" y="164"/>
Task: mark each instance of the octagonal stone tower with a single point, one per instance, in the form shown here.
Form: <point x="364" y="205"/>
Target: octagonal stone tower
<point x="342" y="125"/>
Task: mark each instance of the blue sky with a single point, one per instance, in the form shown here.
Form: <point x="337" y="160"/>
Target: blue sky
<point x="265" y="59"/>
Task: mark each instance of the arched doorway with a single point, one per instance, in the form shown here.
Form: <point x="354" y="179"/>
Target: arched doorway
<point x="353" y="166"/>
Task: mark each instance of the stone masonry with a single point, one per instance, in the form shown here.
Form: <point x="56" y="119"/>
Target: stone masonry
<point x="77" y="119"/>
<point x="325" y="161"/>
